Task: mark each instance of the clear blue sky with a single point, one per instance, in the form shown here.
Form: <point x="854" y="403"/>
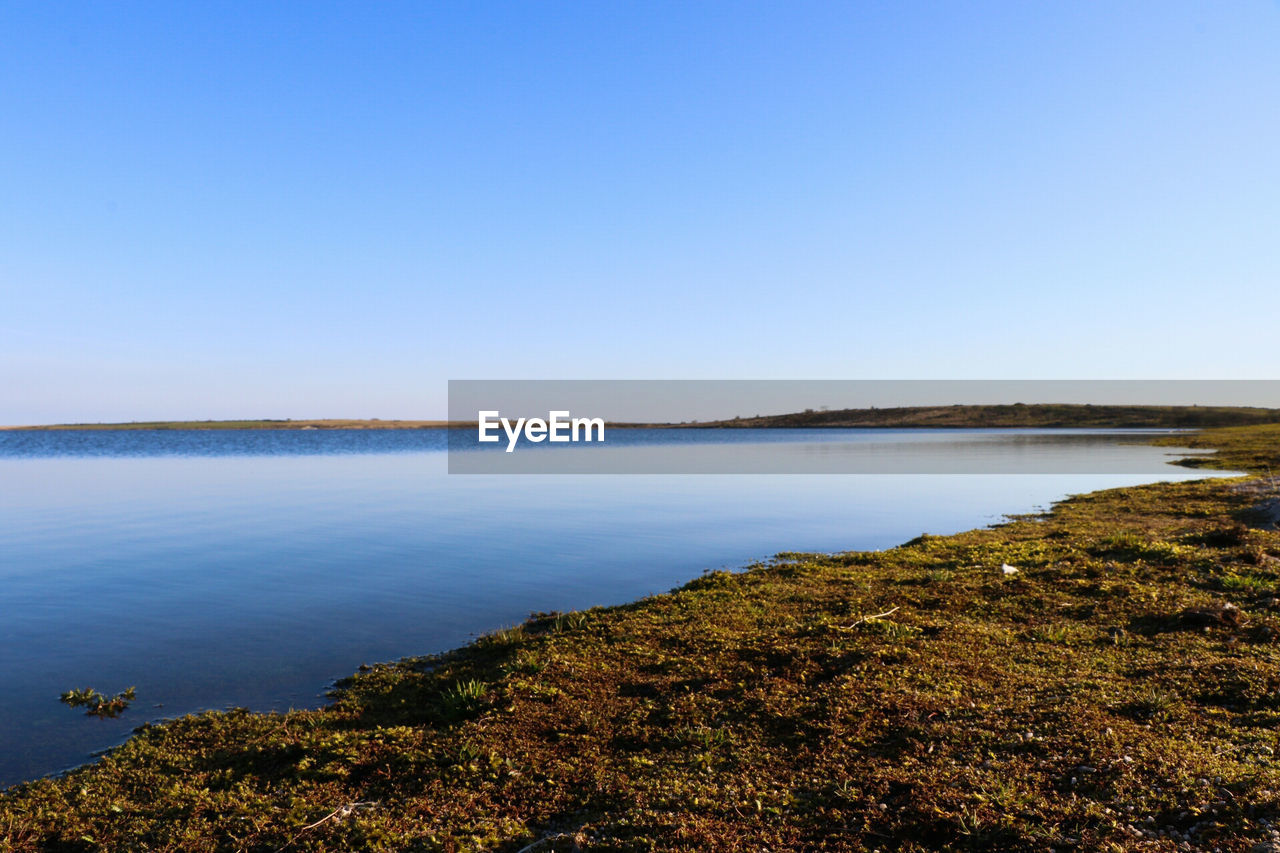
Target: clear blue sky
<point x="307" y="210"/>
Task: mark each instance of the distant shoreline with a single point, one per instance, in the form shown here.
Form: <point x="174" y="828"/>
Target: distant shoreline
<point x="323" y="423"/>
<point x="1010" y="416"/>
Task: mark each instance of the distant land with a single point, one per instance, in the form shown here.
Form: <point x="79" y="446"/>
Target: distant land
<point x="323" y="423"/>
<point x="1042" y="415"/>
<point x="1035" y="415"/>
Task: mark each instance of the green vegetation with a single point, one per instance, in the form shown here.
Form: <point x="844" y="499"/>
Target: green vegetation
<point x="97" y="705"/>
<point x="1043" y="415"/>
<point x="1120" y="691"/>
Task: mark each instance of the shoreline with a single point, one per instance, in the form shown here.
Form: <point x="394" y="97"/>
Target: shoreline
<point x="700" y="714"/>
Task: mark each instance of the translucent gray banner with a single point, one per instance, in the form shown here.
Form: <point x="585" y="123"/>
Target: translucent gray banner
<point x="837" y="427"/>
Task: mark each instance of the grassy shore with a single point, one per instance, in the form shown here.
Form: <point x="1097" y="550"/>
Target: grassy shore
<point x="1119" y="691"/>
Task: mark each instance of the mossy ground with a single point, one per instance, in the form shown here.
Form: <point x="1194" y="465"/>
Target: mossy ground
<point x="1089" y="701"/>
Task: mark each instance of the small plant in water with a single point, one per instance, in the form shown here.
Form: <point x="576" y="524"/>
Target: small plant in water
<point x="96" y="704"/>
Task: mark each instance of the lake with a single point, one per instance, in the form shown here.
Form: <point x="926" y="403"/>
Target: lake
<point x="252" y="568"/>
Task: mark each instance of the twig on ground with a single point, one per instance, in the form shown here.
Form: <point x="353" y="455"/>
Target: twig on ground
<point x="575" y="836"/>
<point x="341" y="812"/>
<point x="865" y="619"/>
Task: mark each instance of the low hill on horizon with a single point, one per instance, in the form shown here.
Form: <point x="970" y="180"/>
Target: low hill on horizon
<point x="1042" y="415"/>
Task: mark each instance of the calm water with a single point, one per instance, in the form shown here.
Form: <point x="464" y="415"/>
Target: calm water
<point x="215" y="569"/>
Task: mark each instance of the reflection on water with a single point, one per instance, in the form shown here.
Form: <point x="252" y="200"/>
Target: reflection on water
<point x="213" y="569"/>
<point x="821" y="451"/>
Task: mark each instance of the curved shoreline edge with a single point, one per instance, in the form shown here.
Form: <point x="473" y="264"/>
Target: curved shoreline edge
<point x="1117" y="690"/>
